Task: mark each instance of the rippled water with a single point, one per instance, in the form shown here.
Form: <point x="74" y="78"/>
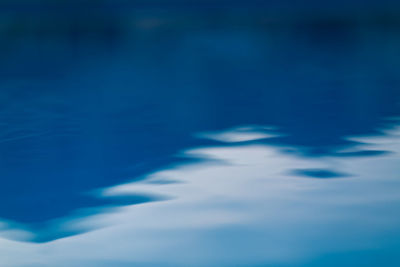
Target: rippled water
<point x="199" y="137"/>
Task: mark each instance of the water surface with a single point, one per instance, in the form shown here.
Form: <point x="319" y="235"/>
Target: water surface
<point x="241" y="138"/>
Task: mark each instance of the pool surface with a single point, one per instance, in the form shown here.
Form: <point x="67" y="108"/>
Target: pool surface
<point x="201" y="133"/>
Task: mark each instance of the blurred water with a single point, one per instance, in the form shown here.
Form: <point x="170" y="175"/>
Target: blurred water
<point x="249" y="139"/>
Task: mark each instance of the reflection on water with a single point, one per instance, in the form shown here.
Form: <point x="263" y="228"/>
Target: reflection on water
<point x="241" y="206"/>
<point x="245" y="140"/>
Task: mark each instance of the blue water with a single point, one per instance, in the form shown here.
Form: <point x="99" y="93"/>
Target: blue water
<point x="88" y="103"/>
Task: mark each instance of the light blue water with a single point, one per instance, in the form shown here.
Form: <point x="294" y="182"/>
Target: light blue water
<point x="248" y="139"/>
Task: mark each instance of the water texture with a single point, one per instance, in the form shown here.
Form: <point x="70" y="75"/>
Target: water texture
<point x="258" y="134"/>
